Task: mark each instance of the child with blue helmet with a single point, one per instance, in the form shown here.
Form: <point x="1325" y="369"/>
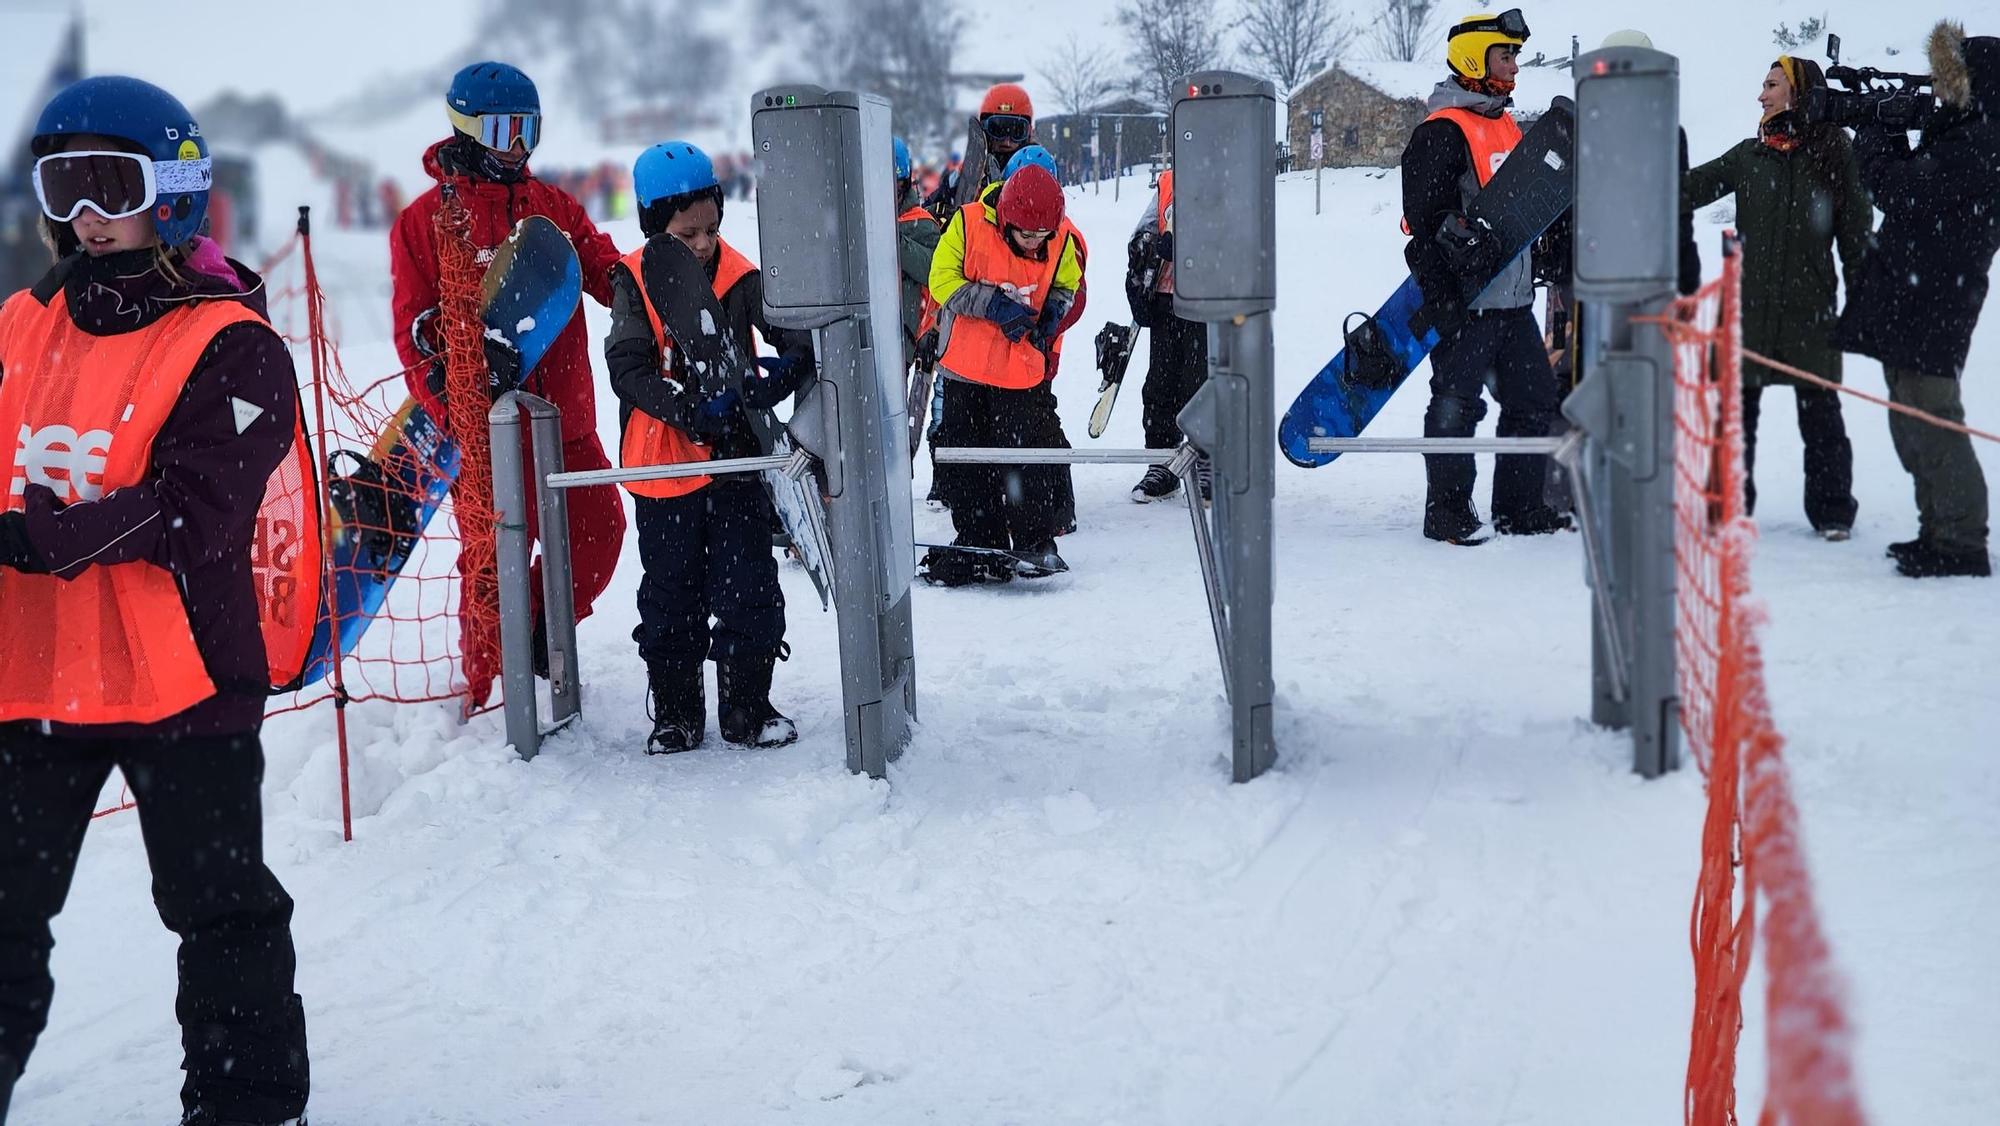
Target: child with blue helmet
<point x="710" y="588"/>
<point x="156" y="406"/>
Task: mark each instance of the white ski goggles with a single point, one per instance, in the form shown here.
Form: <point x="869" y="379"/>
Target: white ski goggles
<point x="113" y="184"/>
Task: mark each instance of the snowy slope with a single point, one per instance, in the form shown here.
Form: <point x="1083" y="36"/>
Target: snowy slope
<point x="1452" y="902"/>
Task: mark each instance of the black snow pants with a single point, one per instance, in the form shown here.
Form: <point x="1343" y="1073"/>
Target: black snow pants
<point x="1502" y="350"/>
<point x="1176" y="367"/>
<point x="1005" y="506"/>
<point x="707" y="555"/>
<point x="243" y="1029"/>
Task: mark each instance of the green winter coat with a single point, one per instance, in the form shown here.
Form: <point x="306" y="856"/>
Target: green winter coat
<point x="1792" y="209"/>
<point x="916" y="241"/>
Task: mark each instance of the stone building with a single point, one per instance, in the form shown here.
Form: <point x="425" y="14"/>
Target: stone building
<point x="1368" y="112"/>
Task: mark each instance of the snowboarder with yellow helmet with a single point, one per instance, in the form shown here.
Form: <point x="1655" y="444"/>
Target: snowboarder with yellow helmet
<point x="1449" y="160"/>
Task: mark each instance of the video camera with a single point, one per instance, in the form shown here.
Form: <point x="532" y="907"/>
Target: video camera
<point x="1883" y="98"/>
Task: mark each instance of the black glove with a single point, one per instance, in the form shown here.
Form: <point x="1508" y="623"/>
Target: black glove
<point x="927" y="351"/>
<point x="15" y="550"/>
<point x="503" y="366"/>
<point x="1471" y="248"/>
<point x="1163" y="246"/>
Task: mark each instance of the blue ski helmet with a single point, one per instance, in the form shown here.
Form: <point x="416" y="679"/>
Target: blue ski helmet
<point x="1036" y="155"/>
<point x="491" y="87"/>
<point x="147" y="116"/>
<point x="902" y="158"/>
<point x="668" y="169"/>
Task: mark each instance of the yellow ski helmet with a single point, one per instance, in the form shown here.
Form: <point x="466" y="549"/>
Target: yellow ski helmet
<point x="1470" y="38"/>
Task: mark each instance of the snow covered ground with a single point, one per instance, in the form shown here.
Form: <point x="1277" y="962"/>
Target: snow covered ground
<point x="1451" y="903"/>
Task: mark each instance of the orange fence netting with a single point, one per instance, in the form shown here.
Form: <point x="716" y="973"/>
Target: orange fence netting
<point x="1752" y="821"/>
<point x="411" y="650"/>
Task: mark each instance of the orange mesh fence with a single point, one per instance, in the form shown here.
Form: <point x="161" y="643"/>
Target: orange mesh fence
<point x="1751" y="820"/>
<point x="408" y="649"/>
<point x="467" y="398"/>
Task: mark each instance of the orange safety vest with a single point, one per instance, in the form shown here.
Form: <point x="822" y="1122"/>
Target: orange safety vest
<point x="1165" y="219"/>
<point x="647" y="440"/>
<point x="113" y="645"/>
<point x="978" y="351"/>
<point x="1490" y="139"/>
<point x="927" y="309"/>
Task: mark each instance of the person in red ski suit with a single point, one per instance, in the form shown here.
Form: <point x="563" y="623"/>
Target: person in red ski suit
<point x="498" y="190"/>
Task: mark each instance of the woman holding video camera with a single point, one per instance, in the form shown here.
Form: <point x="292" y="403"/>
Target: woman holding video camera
<point x="1798" y="195"/>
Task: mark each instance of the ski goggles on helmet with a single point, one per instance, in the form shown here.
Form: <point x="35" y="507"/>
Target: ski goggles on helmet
<point x="499" y="131"/>
<point x="1510" y="24"/>
<point x="113" y="184"/>
<point x="1007" y="127"/>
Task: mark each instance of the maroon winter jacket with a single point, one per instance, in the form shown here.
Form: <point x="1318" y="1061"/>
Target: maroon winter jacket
<point x="196" y="515"/>
<point x="563" y="376"/>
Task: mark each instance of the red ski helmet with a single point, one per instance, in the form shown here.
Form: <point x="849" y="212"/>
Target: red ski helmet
<point x="1009" y="98"/>
<point x="1031" y="200"/>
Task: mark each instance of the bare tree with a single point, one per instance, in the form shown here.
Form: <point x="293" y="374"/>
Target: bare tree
<point x="905" y="53"/>
<point x="1403" y="29"/>
<point x="1171" y="39"/>
<point x="1293" y="40"/>
<point x="1080" y="76"/>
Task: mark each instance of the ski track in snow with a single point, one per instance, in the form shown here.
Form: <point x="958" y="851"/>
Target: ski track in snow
<point x="1451" y="902"/>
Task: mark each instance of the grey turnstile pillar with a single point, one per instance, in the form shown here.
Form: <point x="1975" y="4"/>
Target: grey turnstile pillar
<point x="1223" y="130"/>
<point x="1627" y="248"/>
<point x="826" y="227"/>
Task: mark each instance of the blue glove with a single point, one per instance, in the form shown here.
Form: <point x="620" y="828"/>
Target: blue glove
<point x="782" y="376"/>
<point x="1012" y="318"/>
<point x="1048" y="324"/>
<point x="717" y="415"/>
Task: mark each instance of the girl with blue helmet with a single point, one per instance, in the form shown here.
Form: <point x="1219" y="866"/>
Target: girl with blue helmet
<point x="156" y="406"/>
<point x="710" y="587"/>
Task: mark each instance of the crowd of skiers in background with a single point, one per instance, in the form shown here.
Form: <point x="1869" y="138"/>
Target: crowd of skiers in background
<point x="158" y="403"/>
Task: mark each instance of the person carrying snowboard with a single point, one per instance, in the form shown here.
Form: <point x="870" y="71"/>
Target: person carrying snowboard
<point x="705" y="543"/>
<point x="1492" y="333"/>
<point x="156" y="404"/>
<point x="496" y="122"/>
<point x="1005" y="278"/>
<point x="1798" y="197"/>
<point x="1176" y="349"/>
<point x="1006" y="122"/>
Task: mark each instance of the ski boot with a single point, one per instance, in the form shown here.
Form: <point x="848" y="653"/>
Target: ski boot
<point x="1159" y="483"/>
<point x="1930" y="561"/>
<point x="679" y="708"/>
<point x="202" y="1116"/>
<point x="743" y="701"/>
<point x="1453" y="521"/>
<point x="1540" y="520"/>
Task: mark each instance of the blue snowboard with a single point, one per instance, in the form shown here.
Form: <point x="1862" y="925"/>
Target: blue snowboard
<point x="1532" y="189"/>
<point x="380" y="510"/>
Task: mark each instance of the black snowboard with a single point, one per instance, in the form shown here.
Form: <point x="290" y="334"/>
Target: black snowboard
<point x="1533" y="189"/>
